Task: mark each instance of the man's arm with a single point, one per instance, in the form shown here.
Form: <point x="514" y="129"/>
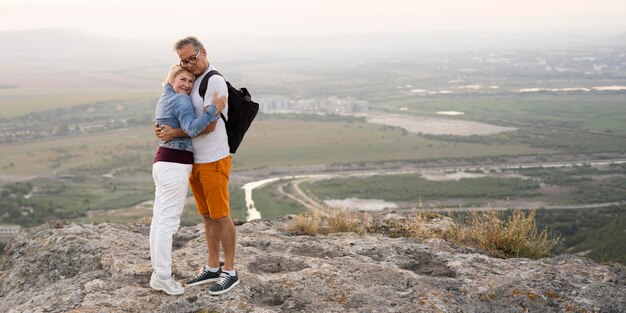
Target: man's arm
<point x="167" y="133"/>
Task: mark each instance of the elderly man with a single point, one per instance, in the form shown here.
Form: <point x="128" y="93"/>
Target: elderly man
<point x="210" y="173"/>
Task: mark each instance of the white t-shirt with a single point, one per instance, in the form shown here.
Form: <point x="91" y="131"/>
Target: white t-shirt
<point x="214" y="146"/>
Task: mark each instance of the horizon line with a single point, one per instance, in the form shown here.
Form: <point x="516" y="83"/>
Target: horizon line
<point x="597" y="31"/>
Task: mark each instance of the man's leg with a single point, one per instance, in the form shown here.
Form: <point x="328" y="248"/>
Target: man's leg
<point x="228" y="238"/>
<point x="209" y="182"/>
<point x="211" y="270"/>
<point x="221" y="224"/>
<point x="200" y="196"/>
<point x="223" y="230"/>
<point x="212" y="234"/>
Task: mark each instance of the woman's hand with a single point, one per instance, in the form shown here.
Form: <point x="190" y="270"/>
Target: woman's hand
<point x="220" y="102"/>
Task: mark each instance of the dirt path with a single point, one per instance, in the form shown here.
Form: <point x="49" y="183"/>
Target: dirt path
<point x="313" y="206"/>
<point x="302" y="197"/>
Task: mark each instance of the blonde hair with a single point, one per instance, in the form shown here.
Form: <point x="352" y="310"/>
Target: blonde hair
<point x="174" y="71"/>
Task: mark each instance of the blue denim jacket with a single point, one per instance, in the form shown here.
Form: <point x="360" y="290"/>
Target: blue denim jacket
<point x="175" y="109"/>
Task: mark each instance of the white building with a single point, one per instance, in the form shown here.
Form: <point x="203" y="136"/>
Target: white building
<point x="280" y="104"/>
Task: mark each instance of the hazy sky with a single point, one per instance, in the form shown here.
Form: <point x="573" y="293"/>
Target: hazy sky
<point x="157" y="18"/>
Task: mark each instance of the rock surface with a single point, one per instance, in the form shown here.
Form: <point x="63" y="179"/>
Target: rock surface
<point x="106" y="268"/>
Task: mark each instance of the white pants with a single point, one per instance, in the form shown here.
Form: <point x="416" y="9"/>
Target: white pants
<point x="172" y="182"/>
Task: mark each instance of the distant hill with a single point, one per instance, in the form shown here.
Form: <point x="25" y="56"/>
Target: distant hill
<point x="384" y="44"/>
<point x="51" y="40"/>
<point x="46" y="53"/>
<point x="43" y="43"/>
<point x="619" y="40"/>
<point x="49" y="45"/>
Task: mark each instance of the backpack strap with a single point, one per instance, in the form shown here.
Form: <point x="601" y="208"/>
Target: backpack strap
<point x="204" y="84"/>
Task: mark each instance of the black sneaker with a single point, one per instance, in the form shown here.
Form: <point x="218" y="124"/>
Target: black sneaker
<point x="224" y="284"/>
<point x="205" y="276"/>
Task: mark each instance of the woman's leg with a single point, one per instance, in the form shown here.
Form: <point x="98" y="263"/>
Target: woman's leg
<point x="173" y="181"/>
<point x="156" y="209"/>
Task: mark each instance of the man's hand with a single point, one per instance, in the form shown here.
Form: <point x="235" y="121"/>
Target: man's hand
<point x="164" y="132"/>
<point x="220" y="104"/>
<point x="167" y="133"/>
<point x="157" y="129"/>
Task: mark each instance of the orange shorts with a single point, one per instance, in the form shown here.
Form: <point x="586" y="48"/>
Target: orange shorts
<point x="209" y="184"/>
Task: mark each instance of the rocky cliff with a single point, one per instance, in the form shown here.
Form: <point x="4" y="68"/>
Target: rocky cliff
<point x="106" y="268"/>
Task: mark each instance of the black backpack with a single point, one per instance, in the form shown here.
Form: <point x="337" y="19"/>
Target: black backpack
<point x="241" y="111"/>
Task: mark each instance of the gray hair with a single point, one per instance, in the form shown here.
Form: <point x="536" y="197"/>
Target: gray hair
<point x="193" y="41"/>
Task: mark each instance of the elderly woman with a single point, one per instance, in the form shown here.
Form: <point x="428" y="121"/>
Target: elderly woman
<point x="170" y="170"/>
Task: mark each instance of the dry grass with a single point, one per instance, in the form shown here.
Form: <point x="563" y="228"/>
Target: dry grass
<point x="421" y="225"/>
<point x="339" y="221"/>
<point x="208" y="311"/>
<point x="306" y="224"/>
<point x="516" y="236"/>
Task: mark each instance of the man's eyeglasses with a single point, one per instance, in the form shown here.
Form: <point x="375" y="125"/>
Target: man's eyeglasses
<point x="190" y="60"/>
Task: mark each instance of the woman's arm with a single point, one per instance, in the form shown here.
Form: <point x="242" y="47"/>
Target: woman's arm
<point x="189" y="123"/>
<point x="209" y="128"/>
<point x="167" y="133"/>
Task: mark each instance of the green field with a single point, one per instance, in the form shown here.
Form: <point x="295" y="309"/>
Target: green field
<point x="412" y="187"/>
<point x="273" y="141"/>
<point x="577" y="185"/>
<point x="90" y="152"/>
<point x="594" y="112"/>
<point x="289" y="142"/>
<point x="272" y="204"/>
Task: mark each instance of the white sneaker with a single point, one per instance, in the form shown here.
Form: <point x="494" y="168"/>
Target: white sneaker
<point x="169" y="286"/>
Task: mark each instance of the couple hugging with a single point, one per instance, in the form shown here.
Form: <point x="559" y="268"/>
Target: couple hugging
<point x="193" y="151"/>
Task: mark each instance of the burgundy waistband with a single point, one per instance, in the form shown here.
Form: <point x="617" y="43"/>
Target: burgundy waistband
<point x="173" y="155"/>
